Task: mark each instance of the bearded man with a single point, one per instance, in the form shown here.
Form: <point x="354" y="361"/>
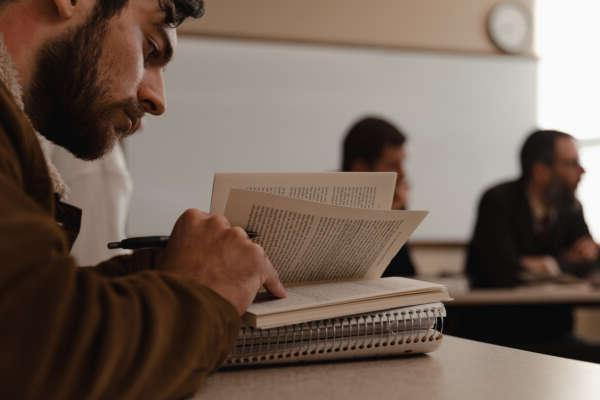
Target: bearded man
<point x="152" y="325"/>
<point x="534" y="227"/>
<point x="531" y="229"/>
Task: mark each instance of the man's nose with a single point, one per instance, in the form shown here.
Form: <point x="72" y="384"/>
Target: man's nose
<point x="151" y="93"/>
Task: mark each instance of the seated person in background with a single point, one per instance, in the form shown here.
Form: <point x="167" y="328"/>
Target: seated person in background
<point x="531" y="226"/>
<point x="534" y="225"/>
<point x="374" y="145"/>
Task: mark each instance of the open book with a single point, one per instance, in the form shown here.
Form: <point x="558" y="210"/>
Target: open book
<point x="318" y="301"/>
<point x="372" y="190"/>
<point x="330" y="236"/>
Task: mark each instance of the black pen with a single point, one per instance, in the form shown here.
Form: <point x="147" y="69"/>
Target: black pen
<point x="146" y="242"/>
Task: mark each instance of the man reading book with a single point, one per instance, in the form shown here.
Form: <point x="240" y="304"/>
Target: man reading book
<point x="374" y="144"/>
<point x="83" y="73"/>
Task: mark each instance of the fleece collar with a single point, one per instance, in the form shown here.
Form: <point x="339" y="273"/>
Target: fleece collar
<point x="9" y="76"/>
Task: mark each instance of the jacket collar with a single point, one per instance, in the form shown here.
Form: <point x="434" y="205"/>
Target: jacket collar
<point x="9" y="76"/>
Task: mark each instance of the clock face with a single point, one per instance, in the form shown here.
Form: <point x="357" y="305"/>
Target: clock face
<point x="509" y="27"/>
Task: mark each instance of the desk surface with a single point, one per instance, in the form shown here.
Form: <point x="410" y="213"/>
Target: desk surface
<point x="460" y="369"/>
<point x="579" y="294"/>
<point x="574" y="294"/>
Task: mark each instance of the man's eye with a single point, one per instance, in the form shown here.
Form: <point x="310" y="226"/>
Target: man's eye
<point x="152" y="51"/>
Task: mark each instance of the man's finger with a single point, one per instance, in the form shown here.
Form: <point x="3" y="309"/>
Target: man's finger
<point x="275" y="287"/>
<point x="273" y="284"/>
<point x="194" y="213"/>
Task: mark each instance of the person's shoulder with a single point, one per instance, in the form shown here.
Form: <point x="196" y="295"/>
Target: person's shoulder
<point x="504" y="191"/>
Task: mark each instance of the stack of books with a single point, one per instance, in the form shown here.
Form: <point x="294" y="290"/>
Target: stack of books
<point x="330" y="236"/>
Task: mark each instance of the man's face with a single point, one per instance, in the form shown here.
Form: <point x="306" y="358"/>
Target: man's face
<point x="392" y="160"/>
<point x="93" y="84"/>
<point x="566" y="168"/>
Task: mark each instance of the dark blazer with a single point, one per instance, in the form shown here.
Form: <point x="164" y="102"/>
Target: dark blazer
<point x="504" y="232"/>
<point x="401" y="264"/>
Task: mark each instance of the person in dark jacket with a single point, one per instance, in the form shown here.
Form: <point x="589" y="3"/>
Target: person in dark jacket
<point x="534" y="227"/>
<point x="374" y="144"/>
<point x="531" y="229"/>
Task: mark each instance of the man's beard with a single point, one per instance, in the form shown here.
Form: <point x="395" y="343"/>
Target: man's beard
<point x="67" y="100"/>
<point x="558" y="194"/>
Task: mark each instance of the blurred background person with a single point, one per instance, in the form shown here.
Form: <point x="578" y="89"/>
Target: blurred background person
<point x="534" y="227"/>
<point x="527" y="230"/>
<point x="375" y="145"/>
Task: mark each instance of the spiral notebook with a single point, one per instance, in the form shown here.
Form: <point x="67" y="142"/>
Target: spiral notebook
<point x="400" y="331"/>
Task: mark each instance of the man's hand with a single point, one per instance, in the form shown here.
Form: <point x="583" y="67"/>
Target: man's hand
<point x="583" y="250"/>
<point x="208" y="250"/>
<point x="540" y="265"/>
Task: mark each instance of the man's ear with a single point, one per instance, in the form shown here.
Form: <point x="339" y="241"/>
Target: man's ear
<point x="66" y="8"/>
<point x="359" y="165"/>
<point x="541" y="173"/>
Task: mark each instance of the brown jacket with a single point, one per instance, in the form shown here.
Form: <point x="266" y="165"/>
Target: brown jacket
<point x="115" y="331"/>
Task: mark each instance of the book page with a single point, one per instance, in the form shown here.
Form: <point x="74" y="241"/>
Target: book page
<point x="372" y="190"/>
<point x="313" y="242"/>
<point x="330" y="293"/>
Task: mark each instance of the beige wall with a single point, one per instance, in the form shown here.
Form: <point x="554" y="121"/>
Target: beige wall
<point x="438" y="25"/>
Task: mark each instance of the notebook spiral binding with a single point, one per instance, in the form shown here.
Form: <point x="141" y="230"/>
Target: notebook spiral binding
<point x="413" y="329"/>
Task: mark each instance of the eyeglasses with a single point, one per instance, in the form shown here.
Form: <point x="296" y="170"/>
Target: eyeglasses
<point x="574" y="163"/>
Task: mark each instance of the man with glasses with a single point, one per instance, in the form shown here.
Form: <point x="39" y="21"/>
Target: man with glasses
<point x="534" y="227"/>
<point x="529" y="229"/>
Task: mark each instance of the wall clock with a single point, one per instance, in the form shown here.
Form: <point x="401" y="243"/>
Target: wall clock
<point x="510" y="26"/>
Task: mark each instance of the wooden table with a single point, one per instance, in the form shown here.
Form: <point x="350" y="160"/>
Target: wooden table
<point x="460" y="370"/>
<point x="571" y="294"/>
<point x="577" y="294"/>
<point x="511" y="316"/>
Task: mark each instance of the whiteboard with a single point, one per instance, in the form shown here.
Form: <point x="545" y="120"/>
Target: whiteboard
<point x="246" y="106"/>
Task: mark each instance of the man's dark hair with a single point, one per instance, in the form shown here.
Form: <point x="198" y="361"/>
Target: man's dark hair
<point x="539" y="147"/>
<point x="176" y="11"/>
<point x="367" y="139"/>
